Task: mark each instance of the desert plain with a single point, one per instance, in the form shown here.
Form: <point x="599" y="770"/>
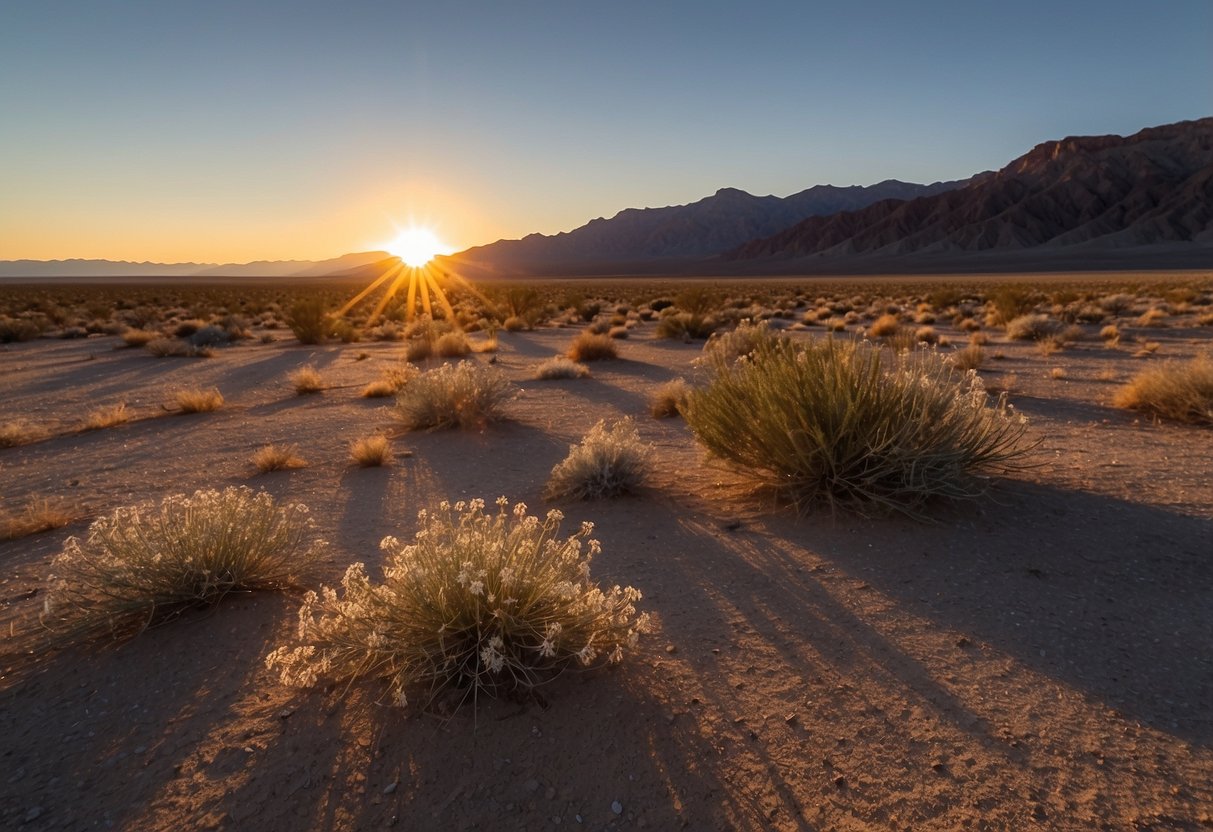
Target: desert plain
<point x="1039" y="658"/>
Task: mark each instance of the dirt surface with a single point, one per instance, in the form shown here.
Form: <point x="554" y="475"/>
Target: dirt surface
<point x="1040" y="659"/>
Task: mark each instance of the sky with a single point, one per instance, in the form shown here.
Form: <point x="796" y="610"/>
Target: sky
<point x="262" y="130"/>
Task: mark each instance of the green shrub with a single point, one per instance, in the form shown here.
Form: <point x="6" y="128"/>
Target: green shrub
<point x="1182" y="392"/>
<point x="606" y="463"/>
<point x="851" y="424"/>
<point x="482" y="603"/>
<point x="464" y="395"/>
<point x="143" y="564"/>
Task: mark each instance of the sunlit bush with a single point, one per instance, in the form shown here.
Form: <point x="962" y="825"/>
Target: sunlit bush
<point x="607" y="462"/>
<point x="463" y="395"/>
<point x="478" y="602"/>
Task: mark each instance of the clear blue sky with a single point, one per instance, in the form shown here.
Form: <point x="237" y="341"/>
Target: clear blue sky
<point x="232" y="131"/>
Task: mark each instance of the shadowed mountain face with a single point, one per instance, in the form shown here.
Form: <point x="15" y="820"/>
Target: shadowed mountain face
<point x="699" y="230"/>
<point x="1097" y="192"/>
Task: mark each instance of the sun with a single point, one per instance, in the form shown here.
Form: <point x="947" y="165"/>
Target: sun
<point x="417" y="246"/>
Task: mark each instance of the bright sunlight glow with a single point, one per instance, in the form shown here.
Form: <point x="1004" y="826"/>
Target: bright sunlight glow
<point x="417" y="246"/>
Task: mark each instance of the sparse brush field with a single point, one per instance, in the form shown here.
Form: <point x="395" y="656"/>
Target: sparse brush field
<point x="803" y="629"/>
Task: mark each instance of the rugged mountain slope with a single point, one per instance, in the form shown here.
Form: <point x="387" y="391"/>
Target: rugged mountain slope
<point x="699" y="230"/>
<point x="1154" y="187"/>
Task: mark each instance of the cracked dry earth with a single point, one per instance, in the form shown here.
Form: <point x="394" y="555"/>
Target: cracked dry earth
<point x="1039" y="659"/>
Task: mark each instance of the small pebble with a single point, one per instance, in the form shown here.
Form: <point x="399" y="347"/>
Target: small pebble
<point x="36" y="812"/>
<point x="390" y="787"/>
<point x="617" y="807"/>
<point x="670" y="648"/>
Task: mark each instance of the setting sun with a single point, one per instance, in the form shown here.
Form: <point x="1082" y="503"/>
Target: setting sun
<point x="417" y="246"/>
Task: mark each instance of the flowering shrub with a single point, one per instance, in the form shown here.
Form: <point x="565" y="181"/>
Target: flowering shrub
<point x="480" y="602"/>
<point x="850" y="423"/>
<point x="605" y="463"/>
<point x="145" y="563"/>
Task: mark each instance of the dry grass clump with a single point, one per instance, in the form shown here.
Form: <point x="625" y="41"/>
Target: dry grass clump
<point x="141" y="565"/>
<point x="452" y="345"/>
<point x="394" y="378"/>
<point x="969" y="358"/>
<point x="590" y="347"/>
<point x="106" y="417"/>
<point x="738" y="343"/>
<point x="197" y="400"/>
<point x="173" y="348"/>
<point x="19" y="432"/>
<point x="669" y="399"/>
<point x="478" y="603"/>
<point x="139" y="337"/>
<point x="309" y="320"/>
<point x="1182" y="392"/>
<point x="371" y="451"/>
<point x="37" y="517"/>
<point x="277" y="458"/>
<point x="1032" y="327"/>
<point x="1152" y="317"/>
<point x="464" y="395"/>
<point x="380" y="389"/>
<point x="307" y="380"/>
<point x="606" y="463"/>
<point x="851" y="424"/>
<point x="560" y="367"/>
<point x="884" y="326"/>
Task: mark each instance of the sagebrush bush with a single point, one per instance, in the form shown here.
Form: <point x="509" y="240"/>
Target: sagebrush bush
<point x="590" y="347"/>
<point x="727" y="347"/>
<point x="482" y="603"/>
<point x="143" y="564"/>
<point x="1032" y="327"/>
<point x="464" y="395"/>
<point x="607" y="462"/>
<point x="309" y="320"/>
<point x="139" y="337"/>
<point x="686" y="326"/>
<point x="560" y="367"/>
<point x="884" y="326"/>
<point x="850" y="424"/>
<point x="1182" y="392"/>
<point x="452" y="345"/>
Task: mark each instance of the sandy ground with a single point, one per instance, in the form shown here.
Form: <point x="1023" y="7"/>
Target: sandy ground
<point x="1041" y="659"/>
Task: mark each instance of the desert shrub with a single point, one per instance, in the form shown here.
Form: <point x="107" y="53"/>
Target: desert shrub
<point x="686" y="326"/>
<point x="926" y="335"/>
<point x="143" y="564"/>
<point x="607" y="462"/>
<point x="106" y="417"/>
<point x="379" y="389"/>
<point x="371" y="451"/>
<point x="478" y="603"/>
<point x="729" y="346"/>
<point x="345" y="331"/>
<point x="560" y="367"/>
<point x="697" y="300"/>
<point x="309" y="320"/>
<point x="590" y="347"/>
<point x="669" y="399"/>
<point x="514" y="324"/>
<point x="172" y="348"/>
<point x="197" y="400"/>
<point x="464" y="395"/>
<point x="969" y="358"/>
<point x="1010" y="302"/>
<point x="1152" y="317"/>
<point x="138" y="337"/>
<point x="619" y="332"/>
<point x="210" y="336"/>
<point x="851" y="424"/>
<point x="452" y="345"/>
<point x="884" y="326"/>
<point x="1032" y="327"/>
<point x="277" y="458"/>
<point x="488" y="344"/>
<point x="1182" y="392"/>
<point x="18" y="329"/>
<point x="307" y="380"/>
<point x="523" y="303"/>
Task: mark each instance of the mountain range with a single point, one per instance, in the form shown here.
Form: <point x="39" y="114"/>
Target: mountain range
<point x="1081" y="202"/>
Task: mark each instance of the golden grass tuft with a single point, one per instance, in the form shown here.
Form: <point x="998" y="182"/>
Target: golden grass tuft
<point x="371" y="451"/>
<point x="139" y="337"/>
<point x="307" y="380"/>
<point x="277" y="458"/>
<point x="40" y="515"/>
<point x="590" y="347"/>
<point x="106" y="417"/>
<point x="452" y="345"/>
<point x="20" y="432"/>
<point x="606" y="463"/>
<point x="669" y="399"/>
<point x="1182" y="392"/>
<point x="379" y="389"/>
<point x="465" y="395"/>
<point x="197" y="400"/>
<point x="884" y="326"/>
<point x="560" y="367"/>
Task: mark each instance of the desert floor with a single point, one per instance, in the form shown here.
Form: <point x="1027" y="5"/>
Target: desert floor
<point x="1041" y="658"/>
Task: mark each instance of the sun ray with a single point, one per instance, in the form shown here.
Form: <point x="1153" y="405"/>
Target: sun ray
<point x="379" y="281"/>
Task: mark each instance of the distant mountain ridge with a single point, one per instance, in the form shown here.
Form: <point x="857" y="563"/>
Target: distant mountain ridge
<point x="1151" y="188"/>
<point x="698" y="230"/>
<point x="126" y="268"/>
